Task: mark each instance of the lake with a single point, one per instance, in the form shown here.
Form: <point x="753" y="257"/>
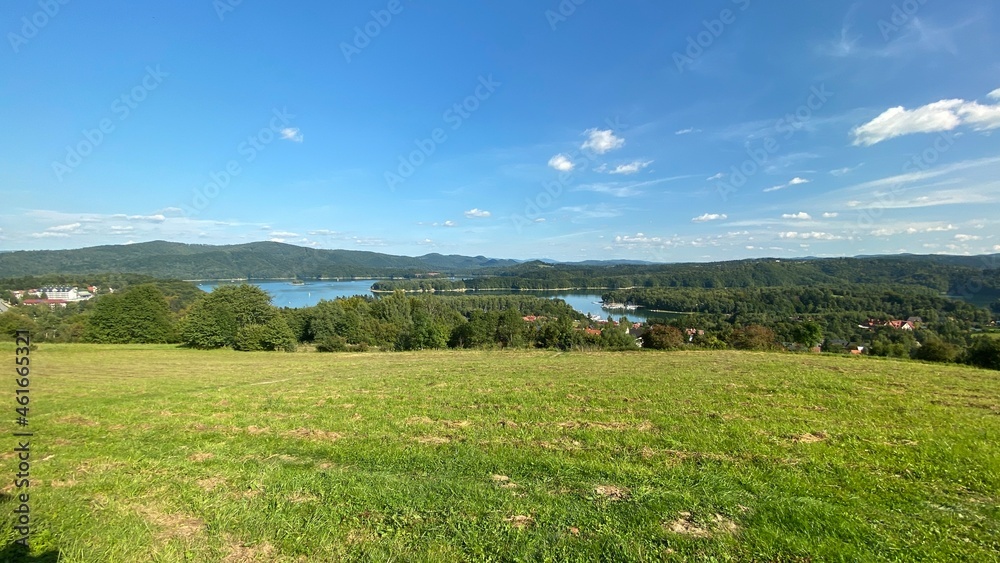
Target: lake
<point x="284" y="294"/>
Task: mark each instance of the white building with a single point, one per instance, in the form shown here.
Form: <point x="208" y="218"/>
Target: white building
<point x="62" y="293"/>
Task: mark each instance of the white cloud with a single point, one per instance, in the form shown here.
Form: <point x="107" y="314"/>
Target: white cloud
<point x="982" y="118"/>
<point x="709" y="217"/>
<point x="693" y="130"/>
<point x="632" y="167"/>
<point x="996" y="247"/>
<point x="322" y="233"/>
<point x="793" y="182"/>
<point x="64" y="228"/>
<point x="995" y="95"/>
<point x="476" y="213"/>
<point x="967" y="238"/>
<point x="811" y="235"/>
<point x="800" y="215"/>
<point x="291" y="134"/>
<point x="718" y="176"/>
<point x="943" y="115"/>
<point x="601" y="141"/>
<point x="49" y="234"/>
<point x="283" y="234"/>
<point x="158" y="218"/>
<point x="281" y="240"/>
<point x="450" y="224"/>
<point x="830" y="215"/>
<point x="426" y="242"/>
<point x="853" y="203"/>
<point x="561" y="163"/>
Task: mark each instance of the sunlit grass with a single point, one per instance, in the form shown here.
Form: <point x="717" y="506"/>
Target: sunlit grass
<point x="155" y="453"/>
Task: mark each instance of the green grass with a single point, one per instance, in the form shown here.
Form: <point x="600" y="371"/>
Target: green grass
<point x="151" y="453"/>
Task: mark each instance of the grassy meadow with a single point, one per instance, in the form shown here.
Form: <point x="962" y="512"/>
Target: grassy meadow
<point x="154" y="453"/>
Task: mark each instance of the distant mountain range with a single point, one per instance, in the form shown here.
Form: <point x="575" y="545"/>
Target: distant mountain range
<point x="263" y="260"/>
<point x="258" y="260"/>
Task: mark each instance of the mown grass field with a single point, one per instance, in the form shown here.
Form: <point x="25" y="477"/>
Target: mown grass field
<point x="146" y="453"/>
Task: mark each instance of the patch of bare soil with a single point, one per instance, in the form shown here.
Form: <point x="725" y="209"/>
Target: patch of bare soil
<point x="612" y="493"/>
<point x="504" y="482"/>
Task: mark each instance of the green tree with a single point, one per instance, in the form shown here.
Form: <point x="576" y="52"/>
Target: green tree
<point x="139" y="315"/>
<point x="241" y="317"/>
<point x="808" y="334"/>
<point x="984" y="353"/>
<point x="663" y="337"/>
<point x="754" y="337"/>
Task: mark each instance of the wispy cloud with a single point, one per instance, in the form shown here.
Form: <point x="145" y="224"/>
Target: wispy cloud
<point x="793" y="182"/>
<point x="801" y="215"/>
<point x="810" y="235"/>
<point x="687" y="131"/>
<point x="846" y="170"/>
<point x="631" y="168"/>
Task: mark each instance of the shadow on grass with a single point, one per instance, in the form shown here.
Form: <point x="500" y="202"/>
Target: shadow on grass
<point x="17" y="553"/>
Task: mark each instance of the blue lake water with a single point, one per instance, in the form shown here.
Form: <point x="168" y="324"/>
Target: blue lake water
<point x="284" y="294"/>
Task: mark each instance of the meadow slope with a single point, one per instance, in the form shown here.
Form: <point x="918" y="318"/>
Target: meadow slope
<point x="154" y="453"/>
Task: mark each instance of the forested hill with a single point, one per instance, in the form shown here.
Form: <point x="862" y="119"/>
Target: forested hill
<point x="944" y="274"/>
<point x="258" y="260"/>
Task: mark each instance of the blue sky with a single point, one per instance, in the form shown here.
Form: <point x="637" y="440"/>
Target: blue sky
<point x="568" y="130"/>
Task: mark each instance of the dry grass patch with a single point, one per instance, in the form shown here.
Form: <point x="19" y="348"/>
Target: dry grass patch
<point x="211" y="483"/>
<point x="199" y="457"/>
<point x="432" y="439"/>
<point x="239" y="552"/>
<point x="520" y="521"/>
<point x="809" y="438"/>
<point x="313" y="434"/>
<point x="684" y="525"/>
<point x="78" y="420"/>
<point x="172" y="525"/>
